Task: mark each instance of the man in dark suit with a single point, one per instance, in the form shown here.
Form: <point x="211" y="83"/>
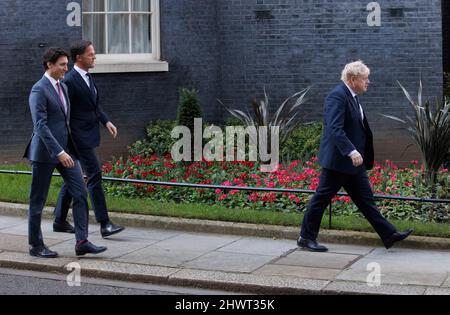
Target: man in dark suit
<point x="346" y="151"/>
<point x="86" y="114"/>
<point x="51" y="147"/>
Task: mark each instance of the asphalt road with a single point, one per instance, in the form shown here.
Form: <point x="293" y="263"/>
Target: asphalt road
<point x="17" y="282"/>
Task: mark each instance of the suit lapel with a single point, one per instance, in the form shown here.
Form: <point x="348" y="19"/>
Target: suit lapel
<point x="55" y="95"/>
<point x="354" y="104"/>
<point x="85" y="87"/>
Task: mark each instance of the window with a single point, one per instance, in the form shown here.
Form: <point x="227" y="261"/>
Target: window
<point x="125" y="34"/>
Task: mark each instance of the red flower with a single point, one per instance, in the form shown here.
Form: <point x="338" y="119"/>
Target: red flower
<point x="107" y="167"/>
<point x="269" y="197"/>
<point x="119" y="172"/>
<point x="254" y="197"/>
<point x="294" y="198"/>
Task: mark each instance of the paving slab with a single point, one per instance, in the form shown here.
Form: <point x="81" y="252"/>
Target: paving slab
<point x="141" y="233"/>
<point x="260" y="246"/>
<point x="317" y="260"/>
<point x="197" y="242"/>
<point x="407" y="254"/>
<point x="230" y="262"/>
<point x="398" y="272"/>
<point x="297" y="271"/>
<point x="8" y="222"/>
<point x="349" y="287"/>
<point x="158" y="256"/>
<point x="47" y="231"/>
<point x="19" y="243"/>
<point x="116" y="248"/>
<point x="349" y="249"/>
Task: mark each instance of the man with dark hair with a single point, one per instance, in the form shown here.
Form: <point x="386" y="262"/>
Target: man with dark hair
<point x="86" y="114"/>
<point x="346" y="151"/>
<point x="50" y="147"/>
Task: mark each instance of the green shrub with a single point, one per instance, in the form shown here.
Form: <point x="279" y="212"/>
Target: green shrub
<point x="302" y="143"/>
<point x="188" y="109"/>
<point x="158" y="140"/>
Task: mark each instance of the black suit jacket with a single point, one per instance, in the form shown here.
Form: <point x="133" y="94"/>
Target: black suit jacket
<point x="86" y="113"/>
<point x="344" y="131"/>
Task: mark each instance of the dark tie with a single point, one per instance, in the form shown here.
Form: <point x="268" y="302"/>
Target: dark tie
<point x="91" y="85"/>
<point x="359" y="107"/>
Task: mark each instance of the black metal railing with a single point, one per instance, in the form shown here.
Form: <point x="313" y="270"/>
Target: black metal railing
<point x="253" y="189"/>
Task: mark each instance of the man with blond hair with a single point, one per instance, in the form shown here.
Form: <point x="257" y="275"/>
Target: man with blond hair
<point x="346" y="152"/>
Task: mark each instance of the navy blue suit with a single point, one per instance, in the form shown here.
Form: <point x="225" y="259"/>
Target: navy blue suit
<point x="51" y="136"/>
<point x="344" y="131"/>
<point x="85" y="116"/>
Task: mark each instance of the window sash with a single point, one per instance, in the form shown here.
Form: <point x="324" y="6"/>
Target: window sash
<point x="153" y="24"/>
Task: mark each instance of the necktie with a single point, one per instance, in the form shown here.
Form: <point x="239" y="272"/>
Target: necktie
<point x="91" y="85"/>
<point x="360" y="107"/>
<point x="61" y="97"/>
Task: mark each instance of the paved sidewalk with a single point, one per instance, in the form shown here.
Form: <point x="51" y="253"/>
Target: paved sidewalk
<point x="233" y="262"/>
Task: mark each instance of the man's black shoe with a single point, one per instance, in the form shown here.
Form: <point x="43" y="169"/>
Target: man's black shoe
<point x="397" y="237"/>
<point x="311" y="245"/>
<point x="42" y="252"/>
<point x="64" y="227"/>
<point x="88" y="248"/>
<point x="110" y="229"/>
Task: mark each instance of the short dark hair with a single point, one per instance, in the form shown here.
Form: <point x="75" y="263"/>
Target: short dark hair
<point x="79" y="48"/>
<point x="52" y="55"/>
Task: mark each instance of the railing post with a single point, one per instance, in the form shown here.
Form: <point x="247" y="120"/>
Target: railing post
<point x="330" y="215"/>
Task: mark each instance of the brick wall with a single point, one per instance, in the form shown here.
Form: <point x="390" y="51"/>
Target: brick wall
<point x="446" y="34"/>
<point x="231" y="50"/>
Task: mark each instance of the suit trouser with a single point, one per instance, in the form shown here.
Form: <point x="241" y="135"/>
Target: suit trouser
<point x="359" y="190"/>
<point x="73" y="179"/>
<point x="91" y="167"/>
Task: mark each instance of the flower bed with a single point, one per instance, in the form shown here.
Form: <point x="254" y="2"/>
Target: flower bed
<point x="386" y="179"/>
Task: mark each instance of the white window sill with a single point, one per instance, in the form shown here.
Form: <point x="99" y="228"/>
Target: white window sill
<point x="122" y="64"/>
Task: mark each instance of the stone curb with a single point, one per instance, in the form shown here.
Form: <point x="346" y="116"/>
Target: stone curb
<point x="244" y="229"/>
<point x="236" y="282"/>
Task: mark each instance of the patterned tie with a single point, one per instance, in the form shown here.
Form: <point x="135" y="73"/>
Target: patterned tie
<point x="91" y="85"/>
<point x="61" y="97"/>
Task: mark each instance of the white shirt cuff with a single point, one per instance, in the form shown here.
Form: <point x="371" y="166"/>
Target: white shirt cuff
<point x="61" y="153"/>
<point x="353" y="153"/>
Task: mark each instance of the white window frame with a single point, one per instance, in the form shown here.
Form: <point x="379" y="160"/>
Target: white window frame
<point x="117" y="63"/>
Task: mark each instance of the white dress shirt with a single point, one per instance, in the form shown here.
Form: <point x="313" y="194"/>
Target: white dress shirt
<point x="83" y="74"/>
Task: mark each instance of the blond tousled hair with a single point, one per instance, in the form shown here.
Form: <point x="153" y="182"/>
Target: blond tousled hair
<point x="354" y="69"/>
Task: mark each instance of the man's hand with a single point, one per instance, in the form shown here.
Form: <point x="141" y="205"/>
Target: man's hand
<point x="66" y="160"/>
<point x="112" y="129"/>
<point x="357" y="159"/>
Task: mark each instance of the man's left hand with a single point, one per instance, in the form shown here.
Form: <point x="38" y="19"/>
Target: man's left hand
<point x="112" y="129"/>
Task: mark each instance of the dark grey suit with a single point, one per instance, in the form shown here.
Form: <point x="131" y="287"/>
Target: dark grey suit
<point x="52" y="135"/>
